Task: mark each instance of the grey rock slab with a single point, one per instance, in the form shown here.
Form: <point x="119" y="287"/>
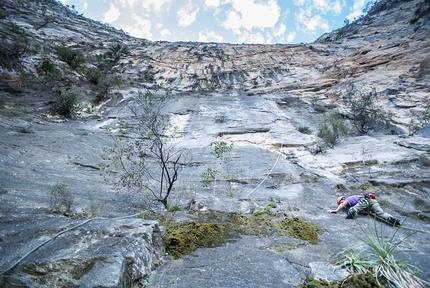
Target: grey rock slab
<point x="417" y="143"/>
<point x="100" y="253"/>
<point x="324" y="271"/>
<point x="424" y="132"/>
<point x="249" y="261"/>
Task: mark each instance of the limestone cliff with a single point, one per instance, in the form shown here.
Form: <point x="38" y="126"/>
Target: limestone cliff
<point x="261" y="98"/>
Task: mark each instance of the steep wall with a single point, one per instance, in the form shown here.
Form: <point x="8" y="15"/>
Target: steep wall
<point x="267" y="100"/>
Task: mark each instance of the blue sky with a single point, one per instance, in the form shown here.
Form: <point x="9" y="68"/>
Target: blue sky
<point x="228" y="21"/>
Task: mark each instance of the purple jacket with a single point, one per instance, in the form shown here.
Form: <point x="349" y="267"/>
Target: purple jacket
<point x="352" y="200"/>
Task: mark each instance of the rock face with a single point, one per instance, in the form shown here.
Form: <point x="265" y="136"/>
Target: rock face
<point x="258" y="97"/>
<point x="97" y="253"/>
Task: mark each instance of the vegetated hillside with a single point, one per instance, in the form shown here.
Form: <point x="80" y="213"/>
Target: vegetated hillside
<point x="366" y="52"/>
<point x="65" y="79"/>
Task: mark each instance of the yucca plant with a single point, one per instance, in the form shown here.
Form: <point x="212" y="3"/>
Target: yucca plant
<point x="380" y="259"/>
<point x="352" y="261"/>
<point x="383" y="261"/>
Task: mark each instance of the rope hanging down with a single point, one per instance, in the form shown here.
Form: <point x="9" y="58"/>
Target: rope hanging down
<point x="268" y="174"/>
<point x="60" y="233"/>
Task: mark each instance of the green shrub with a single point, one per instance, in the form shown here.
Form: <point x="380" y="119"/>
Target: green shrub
<point x="222" y="152"/>
<point x="304" y="130"/>
<point x="61" y="197"/>
<point x="72" y="57"/>
<point x="14" y="43"/>
<point x="332" y="127"/>
<point x="365" y="114"/>
<point x="64" y="104"/>
<point x="266" y="210"/>
<point x="208" y="176"/>
<point x="48" y="68"/>
<point x="94" y="75"/>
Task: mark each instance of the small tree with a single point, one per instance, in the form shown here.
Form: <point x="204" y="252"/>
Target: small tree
<point x="65" y="104"/>
<point x="365" y="114"/>
<point x="222" y="152"/>
<point x="61" y="197"/>
<point x="14" y="43"/>
<point x="332" y="127"/>
<point x="147" y="159"/>
<point x="102" y="74"/>
<point x="73" y="58"/>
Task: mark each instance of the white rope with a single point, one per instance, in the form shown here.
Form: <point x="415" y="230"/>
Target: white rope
<point x="60" y="233"/>
<point x="268" y="174"/>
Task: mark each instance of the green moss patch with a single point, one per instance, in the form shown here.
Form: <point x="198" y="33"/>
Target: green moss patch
<point x="359" y="280"/>
<point x="184" y="239"/>
<point x="294" y="227"/>
<point x="215" y="229"/>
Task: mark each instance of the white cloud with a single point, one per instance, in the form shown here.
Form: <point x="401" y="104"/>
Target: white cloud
<point x="141" y="27"/>
<point x="111" y="15"/>
<point x="84" y="6"/>
<point x="280" y="30"/>
<point x="316" y="22"/>
<point x="248" y="14"/>
<point x="212" y="3"/>
<point x="357" y="9"/>
<point x="299" y="2"/>
<point x="246" y="37"/>
<point x="311" y="22"/>
<point x="233" y="22"/>
<point x="291" y="37"/>
<point x="210" y="36"/>
<point x="187" y="15"/>
<point x="326" y="6"/>
<point x="165" y="32"/>
<point x="129" y="2"/>
<point x="156" y="4"/>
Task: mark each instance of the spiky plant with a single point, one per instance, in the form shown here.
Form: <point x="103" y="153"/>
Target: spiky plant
<point x="380" y="259"/>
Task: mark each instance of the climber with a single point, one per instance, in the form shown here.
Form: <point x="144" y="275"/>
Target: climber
<point x="364" y="203"/>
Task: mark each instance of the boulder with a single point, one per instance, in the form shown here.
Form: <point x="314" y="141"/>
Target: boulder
<point x="100" y="253"/>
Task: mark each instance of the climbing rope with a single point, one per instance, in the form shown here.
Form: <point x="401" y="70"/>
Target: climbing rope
<point x="268" y="174"/>
<point x="60" y="233"/>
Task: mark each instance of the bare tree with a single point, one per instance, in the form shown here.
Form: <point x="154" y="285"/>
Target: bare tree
<point x="144" y="153"/>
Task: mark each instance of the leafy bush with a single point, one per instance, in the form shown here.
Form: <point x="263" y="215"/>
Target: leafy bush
<point x="222" y="152"/>
<point x="266" y="210"/>
<point x="208" y="176"/>
<point x="332" y="127"/>
<point x="72" y="57"/>
<point x="107" y="61"/>
<point x="365" y="114"/>
<point x="14" y="44"/>
<point x="61" y="197"/>
<point x="94" y="75"/>
<point x="103" y="75"/>
<point x="304" y="130"/>
<point x="48" y="68"/>
<point x="64" y="104"/>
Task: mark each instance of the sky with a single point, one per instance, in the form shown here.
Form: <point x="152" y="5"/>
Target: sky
<point x="226" y="21"/>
